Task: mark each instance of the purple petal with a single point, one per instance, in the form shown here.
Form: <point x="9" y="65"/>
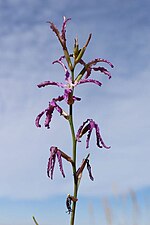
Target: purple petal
<point x="88" y="72"/>
<point x="60" y="162"/>
<point x="57" y="107"/>
<point x="37" y="120"/>
<point x="51" y="162"/>
<point x="79" y="130"/>
<point x="46" y="83"/>
<point x="76" y="98"/>
<point x="63" y="32"/>
<point x="99" y="138"/>
<point x="95" y="61"/>
<point x="89" y="169"/>
<point x="59" y="99"/>
<point x="90" y="81"/>
<point x="88" y="136"/>
<point x="49" y="113"/>
<point x="54" y="28"/>
<point x="106" y="61"/>
<point x="103" y="70"/>
<point x="67" y="74"/>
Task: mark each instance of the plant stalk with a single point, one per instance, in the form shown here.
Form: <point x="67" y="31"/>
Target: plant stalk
<point x="72" y="219"/>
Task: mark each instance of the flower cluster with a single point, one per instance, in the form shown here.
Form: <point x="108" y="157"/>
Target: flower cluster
<point x="70" y="84"/>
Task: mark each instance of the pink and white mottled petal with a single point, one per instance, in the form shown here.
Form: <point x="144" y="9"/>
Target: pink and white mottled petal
<point x="51" y="162"/>
<point x="90" y="81"/>
<point x="47" y="83"/>
<point x="59" y="109"/>
<point x="102" y="70"/>
<point x="88" y="138"/>
<point x="99" y="138"/>
<point x="80" y="130"/>
<point x="37" y="120"/>
<point x="95" y="61"/>
<point x="89" y="169"/>
<point x="88" y="72"/>
<point x="60" y="162"/>
<point x="76" y="98"/>
<point x="106" y="61"/>
<point x="63" y="31"/>
<point x="67" y="74"/>
<point x="49" y="113"/>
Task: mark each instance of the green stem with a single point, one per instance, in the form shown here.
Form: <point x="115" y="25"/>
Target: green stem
<point x="72" y="219"/>
<point x="73" y="165"/>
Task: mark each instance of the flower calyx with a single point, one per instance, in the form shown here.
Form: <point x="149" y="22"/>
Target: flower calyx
<point x="68" y="202"/>
<point x="81" y="168"/>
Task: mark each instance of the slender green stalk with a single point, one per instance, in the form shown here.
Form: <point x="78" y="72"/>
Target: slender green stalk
<point x="72" y="219"/>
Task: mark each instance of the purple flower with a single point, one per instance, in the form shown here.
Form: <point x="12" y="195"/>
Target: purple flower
<point x="49" y="111"/>
<point x="70" y="85"/>
<point x="89" y="127"/>
<point x="54" y="151"/>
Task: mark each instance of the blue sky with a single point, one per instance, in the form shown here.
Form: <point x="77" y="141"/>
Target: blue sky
<point x="120" y="33"/>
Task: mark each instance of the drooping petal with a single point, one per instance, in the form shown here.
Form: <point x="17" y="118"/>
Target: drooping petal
<point x="67" y="74"/>
<point x="54" y="28"/>
<point x="49" y="113"/>
<point x="59" y="157"/>
<point x="63" y="31"/>
<point x="37" y="120"/>
<point x="54" y="105"/>
<point x="51" y="162"/>
<point x="83" y="81"/>
<point x="46" y="83"/>
<point x="99" y="138"/>
<point x="102" y="70"/>
<point x="95" y="61"/>
<point x="88" y="136"/>
<point x="89" y="169"/>
<point x="76" y="98"/>
<point x="80" y="133"/>
<point x="81" y="168"/>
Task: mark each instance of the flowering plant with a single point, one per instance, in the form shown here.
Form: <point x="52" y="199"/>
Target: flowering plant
<point x="68" y="62"/>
